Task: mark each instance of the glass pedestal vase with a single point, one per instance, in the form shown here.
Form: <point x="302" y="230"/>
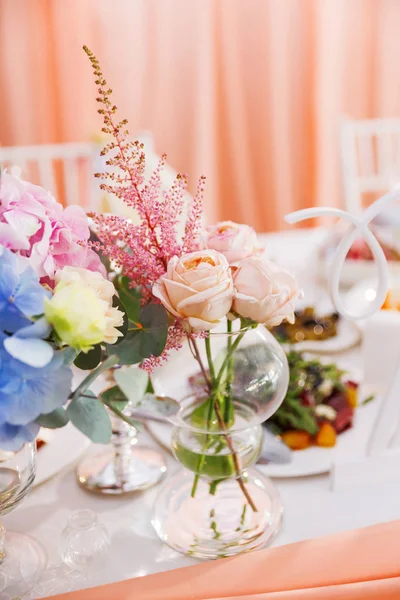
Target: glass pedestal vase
<point x="220" y="505"/>
<point x="124" y="466"/>
<point x="22" y="558"/>
<point x="217" y="514"/>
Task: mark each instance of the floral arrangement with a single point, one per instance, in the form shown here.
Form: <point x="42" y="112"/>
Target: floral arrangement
<point x="60" y="307"/>
<point x="55" y="307"/>
<point x="192" y="283"/>
<point x="201" y="279"/>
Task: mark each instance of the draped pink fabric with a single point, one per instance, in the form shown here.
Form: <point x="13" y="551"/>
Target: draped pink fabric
<point x="355" y="565"/>
<point x="248" y="92"/>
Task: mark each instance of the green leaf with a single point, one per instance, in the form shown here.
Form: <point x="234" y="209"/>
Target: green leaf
<point x="129" y="297"/>
<point x="54" y="420"/>
<point x="69" y="355"/>
<point x="157" y="406"/>
<point x="90" y="360"/>
<point x="110" y="362"/>
<point x="131" y="303"/>
<point x="368" y="399"/>
<point x="89" y="415"/>
<point x="146" y="341"/>
<point x="121" y="282"/>
<point x="133" y="382"/>
<point x="150" y="388"/>
<point x="114" y="397"/>
<point x="154" y="319"/>
<point x="127" y="351"/>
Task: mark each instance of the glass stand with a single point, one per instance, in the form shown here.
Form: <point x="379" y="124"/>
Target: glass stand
<point x="123" y="466"/>
<point x="22" y="563"/>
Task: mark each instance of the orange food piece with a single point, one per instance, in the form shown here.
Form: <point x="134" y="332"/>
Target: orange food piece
<point x="386" y="302"/>
<point x="297" y="439"/>
<point x="326" y="436"/>
<point x="392" y="300"/>
<point x="351" y="396"/>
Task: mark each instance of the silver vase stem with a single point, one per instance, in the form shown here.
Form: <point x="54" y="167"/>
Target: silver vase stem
<point x="124" y="436"/>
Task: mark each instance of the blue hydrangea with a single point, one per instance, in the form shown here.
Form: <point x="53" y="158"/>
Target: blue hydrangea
<point x="21" y="295"/>
<point x="33" y="377"/>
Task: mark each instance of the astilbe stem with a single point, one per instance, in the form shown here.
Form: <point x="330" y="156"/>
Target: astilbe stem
<point x="141" y="251"/>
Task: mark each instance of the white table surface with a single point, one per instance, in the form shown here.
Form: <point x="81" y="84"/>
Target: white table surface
<point x="311" y="508"/>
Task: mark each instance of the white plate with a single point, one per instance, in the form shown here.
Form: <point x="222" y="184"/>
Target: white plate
<point x="348" y="336"/>
<point x="63" y="447"/>
<point x="314" y="460"/>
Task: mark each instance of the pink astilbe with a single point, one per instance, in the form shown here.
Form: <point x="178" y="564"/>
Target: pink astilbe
<point x="142" y="251"/>
<point x="194" y="222"/>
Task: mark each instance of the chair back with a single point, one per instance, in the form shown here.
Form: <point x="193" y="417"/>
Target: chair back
<point x="370" y="157"/>
<point x="65" y="170"/>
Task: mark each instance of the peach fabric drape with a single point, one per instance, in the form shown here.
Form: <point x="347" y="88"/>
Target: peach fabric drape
<point x="248" y="92"/>
<point x="355" y="565"/>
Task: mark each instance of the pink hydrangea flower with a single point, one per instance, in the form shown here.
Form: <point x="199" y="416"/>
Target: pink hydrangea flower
<point x="36" y="226"/>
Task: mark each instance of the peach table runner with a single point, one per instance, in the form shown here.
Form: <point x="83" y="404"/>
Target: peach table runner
<point x="358" y="565"/>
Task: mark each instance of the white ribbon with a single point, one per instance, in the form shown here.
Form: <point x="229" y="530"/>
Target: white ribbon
<point x="360" y="228"/>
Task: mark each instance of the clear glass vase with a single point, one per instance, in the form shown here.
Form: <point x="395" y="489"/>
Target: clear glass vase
<point x="227" y="384"/>
<point x="22" y="558"/>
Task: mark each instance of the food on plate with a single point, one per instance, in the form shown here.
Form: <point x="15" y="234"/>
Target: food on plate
<point x="352" y="393"/>
<point x="297" y="439"/>
<point x="307" y="326"/>
<point x="392" y="300"/>
<point x="319" y="404"/>
<point x="326" y="436"/>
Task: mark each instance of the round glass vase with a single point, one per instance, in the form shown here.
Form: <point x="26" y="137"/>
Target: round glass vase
<point x="22" y="558"/>
<point x="227" y="384"/>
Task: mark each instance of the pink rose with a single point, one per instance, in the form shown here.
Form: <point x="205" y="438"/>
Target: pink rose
<point x="197" y="288"/>
<point x="35" y="226"/>
<point x="264" y="292"/>
<point x="234" y="241"/>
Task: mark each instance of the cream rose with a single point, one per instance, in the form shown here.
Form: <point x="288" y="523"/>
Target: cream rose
<point x="197" y="288"/>
<point x="264" y="292"/>
<point x="103" y="290"/>
<point x="234" y="241"/>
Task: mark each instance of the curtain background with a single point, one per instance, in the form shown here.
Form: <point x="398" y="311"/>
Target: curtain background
<point x="247" y="92"/>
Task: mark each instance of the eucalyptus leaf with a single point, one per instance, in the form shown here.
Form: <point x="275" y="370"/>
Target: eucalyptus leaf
<point x="90" y="360"/>
<point x="133" y="383"/>
<point x="69" y="355"/>
<point x="128" y="350"/>
<point x="114" y="397"/>
<point x="131" y="304"/>
<point x="90" y="416"/>
<point x="157" y="406"/>
<point x="148" y="339"/>
<point x="57" y="418"/>
<point x="121" y="282"/>
<point x="154" y="319"/>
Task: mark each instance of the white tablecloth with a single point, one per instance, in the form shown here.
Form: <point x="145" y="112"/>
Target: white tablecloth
<point x="311" y="509"/>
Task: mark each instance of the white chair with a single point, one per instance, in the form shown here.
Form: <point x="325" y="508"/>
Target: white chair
<point x="370" y="156"/>
<point x="65" y="170"/>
